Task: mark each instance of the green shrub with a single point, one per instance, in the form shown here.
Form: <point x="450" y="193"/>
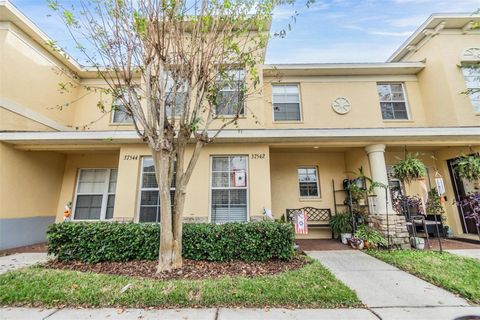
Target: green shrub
<point x="112" y="241"/>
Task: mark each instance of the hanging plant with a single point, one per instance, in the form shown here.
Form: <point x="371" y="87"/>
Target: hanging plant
<point x="468" y="167"/>
<point x="409" y="169"/>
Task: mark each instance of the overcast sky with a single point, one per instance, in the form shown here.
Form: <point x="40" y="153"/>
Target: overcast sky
<point x="328" y="31"/>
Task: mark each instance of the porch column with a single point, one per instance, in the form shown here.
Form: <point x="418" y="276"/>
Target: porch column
<point x="378" y="169"/>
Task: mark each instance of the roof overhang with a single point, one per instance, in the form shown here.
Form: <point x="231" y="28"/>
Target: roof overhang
<point x="433" y="26"/>
<point x="343" y="69"/>
<point x="439" y="134"/>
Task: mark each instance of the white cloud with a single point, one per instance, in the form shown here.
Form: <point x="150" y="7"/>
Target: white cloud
<point x="412" y="21"/>
<point x="393" y="34"/>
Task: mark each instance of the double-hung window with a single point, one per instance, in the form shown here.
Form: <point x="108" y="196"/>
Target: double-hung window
<point x="149" y="209"/>
<point x="393" y="102"/>
<point x="308" y="182"/>
<point x="231" y="94"/>
<point x="120" y="112"/>
<point x="229" y="189"/>
<point x="176" y="93"/>
<point x="472" y="80"/>
<point x="95" y="194"/>
<point x="286" y="102"/>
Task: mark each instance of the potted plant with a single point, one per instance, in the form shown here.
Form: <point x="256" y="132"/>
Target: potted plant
<point x="468" y="167"/>
<point x="341" y="225"/>
<point x="472" y="202"/>
<point x="417" y="243"/>
<point x="370" y="236"/>
<point x="356" y="243"/>
<point x="409" y="169"/>
<point x="434" y="205"/>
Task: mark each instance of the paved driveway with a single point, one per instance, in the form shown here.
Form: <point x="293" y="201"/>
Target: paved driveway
<point x="20" y="260"/>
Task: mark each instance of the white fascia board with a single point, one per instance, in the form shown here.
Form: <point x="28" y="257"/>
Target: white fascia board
<point x="254" y="135"/>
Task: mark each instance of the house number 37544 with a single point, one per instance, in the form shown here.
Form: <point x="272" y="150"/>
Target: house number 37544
<point x="130" y="157"/>
<point x="258" y="155"/>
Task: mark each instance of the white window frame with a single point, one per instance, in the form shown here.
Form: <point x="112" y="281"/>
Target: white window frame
<point x="465" y="70"/>
<point x="105" y="194"/>
<point x="139" y="195"/>
<point x="407" y="108"/>
<point x="242" y="73"/>
<point x="169" y="89"/>
<point x="318" y="183"/>
<point x="114" y="110"/>
<point x="300" y="109"/>
<point x="210" y="188"/>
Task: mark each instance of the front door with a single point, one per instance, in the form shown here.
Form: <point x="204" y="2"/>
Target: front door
<point x="462" y="188"/>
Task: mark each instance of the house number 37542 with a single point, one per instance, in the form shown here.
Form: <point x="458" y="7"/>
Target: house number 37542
<point x="258" y="155"/>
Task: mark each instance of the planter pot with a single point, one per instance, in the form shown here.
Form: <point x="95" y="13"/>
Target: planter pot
<point x="449" y="233"/>
<point x="418" y="243"/>
<point x="345" y="237"/>
<point x="357" y="244"/>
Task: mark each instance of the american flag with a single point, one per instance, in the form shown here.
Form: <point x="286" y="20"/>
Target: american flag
<point x="301" y="223"/>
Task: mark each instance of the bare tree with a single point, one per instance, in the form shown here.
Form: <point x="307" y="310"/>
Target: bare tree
<point x="169" y="62"/>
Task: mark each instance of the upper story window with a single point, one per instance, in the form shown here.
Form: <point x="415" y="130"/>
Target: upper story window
<point x="95" y="194"/>
<point x="231" y="95"/>
<point x="120" y="112"/>
<point x="175" y="90"/>
<point x="472" y="80"/>
<point x="308" y="182"/>
<point x="392" y="101"/>
<point x="286" y="102"/>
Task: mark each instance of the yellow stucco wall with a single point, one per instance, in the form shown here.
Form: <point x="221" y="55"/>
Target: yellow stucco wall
<point x="30" y="182"/>
<point x="442" y="81"/>
<point x="13" y="121"/>
<point x="31" y="77"/>
<point x="197" y="203"/>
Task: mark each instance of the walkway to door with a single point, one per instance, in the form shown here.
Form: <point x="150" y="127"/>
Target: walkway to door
<point x="385" y="289"/>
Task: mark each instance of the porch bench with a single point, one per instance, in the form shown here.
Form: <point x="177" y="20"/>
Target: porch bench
<point x="316" y="217"/>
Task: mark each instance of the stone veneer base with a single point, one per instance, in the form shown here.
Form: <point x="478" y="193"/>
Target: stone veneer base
<point x="397" y="229"/>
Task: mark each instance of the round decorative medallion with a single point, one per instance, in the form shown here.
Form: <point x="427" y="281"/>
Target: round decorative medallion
<point x="341" y="105"/>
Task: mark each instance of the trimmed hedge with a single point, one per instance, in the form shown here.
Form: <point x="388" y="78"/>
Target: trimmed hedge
<point x="112" y="241"/>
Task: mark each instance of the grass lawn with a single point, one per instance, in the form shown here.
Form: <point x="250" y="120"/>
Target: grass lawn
<point x="311" y="286"/>
<point x="456" y="274"/>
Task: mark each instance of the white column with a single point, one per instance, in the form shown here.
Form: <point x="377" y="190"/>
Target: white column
<point x="378" y="169"/>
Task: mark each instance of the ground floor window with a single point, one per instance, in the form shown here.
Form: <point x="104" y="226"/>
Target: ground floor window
<point x="308" y="182"/>
<point x="229" y="190"/>
<point x="95" y="194"/>
<point x="149" y="210"/>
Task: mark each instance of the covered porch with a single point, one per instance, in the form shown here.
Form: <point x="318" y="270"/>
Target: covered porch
<point x="312" y="175"/>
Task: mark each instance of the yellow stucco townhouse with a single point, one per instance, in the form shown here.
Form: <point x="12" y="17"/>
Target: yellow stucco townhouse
<point x="313" y="124"/>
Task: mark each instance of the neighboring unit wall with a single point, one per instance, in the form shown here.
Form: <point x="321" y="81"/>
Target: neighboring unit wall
<point x="30" y="76"/>
<point x="442" y="81"/>
<point x="30" y="184"/>
<point x="11" y="121"/>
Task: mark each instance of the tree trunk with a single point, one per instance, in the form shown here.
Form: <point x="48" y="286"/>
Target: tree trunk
<point x="170" y="255"/>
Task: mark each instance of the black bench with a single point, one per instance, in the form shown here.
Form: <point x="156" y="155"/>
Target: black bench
<point x="316" y="217"/>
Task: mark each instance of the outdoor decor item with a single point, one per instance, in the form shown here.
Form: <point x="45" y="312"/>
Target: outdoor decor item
<point x="356" y="243"/>
<point x="301" y="222"/>
<point x="409" y="169"/>
<point x="468" y="167"/>
<point x="417" y="243"/>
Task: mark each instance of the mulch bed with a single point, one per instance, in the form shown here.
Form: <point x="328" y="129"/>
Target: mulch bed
<point x="191" y="269"/>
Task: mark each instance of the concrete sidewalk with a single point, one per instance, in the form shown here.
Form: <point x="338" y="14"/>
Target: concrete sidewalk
<point x="20" y="260"/>
<point x="439" y="313"/>
<point x="380" y="285"/>
<point x="469" y="253"/>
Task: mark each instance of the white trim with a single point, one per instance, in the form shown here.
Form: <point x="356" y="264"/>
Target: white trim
<point x="112" y="137"/>
<point x="210" y="188"/>
<point x="300" y="111"/>
<point x="30" y="114"/>
<point x="405" y="100"/>
<point x="319" y="196"/>
<point x="105" y="194"/>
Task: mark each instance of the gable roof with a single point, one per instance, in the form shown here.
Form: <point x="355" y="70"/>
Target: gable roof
<point x="431" y="27"/>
